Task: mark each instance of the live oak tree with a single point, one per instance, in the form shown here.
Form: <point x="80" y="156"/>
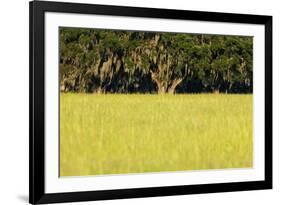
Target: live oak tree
<point x="168" y="60"/>
<point x="103" y="61"/>
<point x="89" y="59"/>
<point x="230" y="62"/>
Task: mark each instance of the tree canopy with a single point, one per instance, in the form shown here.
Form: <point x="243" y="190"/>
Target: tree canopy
<point x="113" y="61"/>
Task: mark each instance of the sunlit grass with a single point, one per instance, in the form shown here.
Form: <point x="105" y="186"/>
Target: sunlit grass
<point x="113" y="134"/>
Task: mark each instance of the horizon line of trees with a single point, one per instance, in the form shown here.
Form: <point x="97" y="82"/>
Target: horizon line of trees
<point x="110" y="61"/>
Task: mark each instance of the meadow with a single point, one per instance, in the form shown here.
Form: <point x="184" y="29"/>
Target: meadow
<point x="119" y="133"/>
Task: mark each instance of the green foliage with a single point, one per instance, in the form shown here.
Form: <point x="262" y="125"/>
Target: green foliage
<point x="94" y="60"/>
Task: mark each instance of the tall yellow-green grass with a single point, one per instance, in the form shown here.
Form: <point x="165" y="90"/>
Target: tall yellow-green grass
<point x="118" y="134"/>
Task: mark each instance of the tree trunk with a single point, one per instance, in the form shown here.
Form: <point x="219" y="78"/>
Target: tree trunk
<point x="160" y="86"/>
<point x="171" y="91"/>
<point x="162" y="89"/>
<point x="163" y="86"/>
<point x="175" y="83"/>
<point x="216" y="91"/>
<point x="99" y="90"/>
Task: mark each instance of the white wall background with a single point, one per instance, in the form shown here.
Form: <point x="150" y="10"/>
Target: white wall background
<point x="14" y="100"/>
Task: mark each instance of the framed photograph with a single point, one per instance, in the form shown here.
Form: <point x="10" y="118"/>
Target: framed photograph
<point x="130" y="102"/>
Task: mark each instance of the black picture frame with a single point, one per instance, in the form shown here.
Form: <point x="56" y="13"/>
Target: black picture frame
<point x="37" y="194"/>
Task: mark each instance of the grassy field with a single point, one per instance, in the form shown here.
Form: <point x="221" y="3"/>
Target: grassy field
<point x="113" y="134"/>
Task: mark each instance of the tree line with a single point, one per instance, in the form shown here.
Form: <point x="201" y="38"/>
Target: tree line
<point x="112" y="61"/>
